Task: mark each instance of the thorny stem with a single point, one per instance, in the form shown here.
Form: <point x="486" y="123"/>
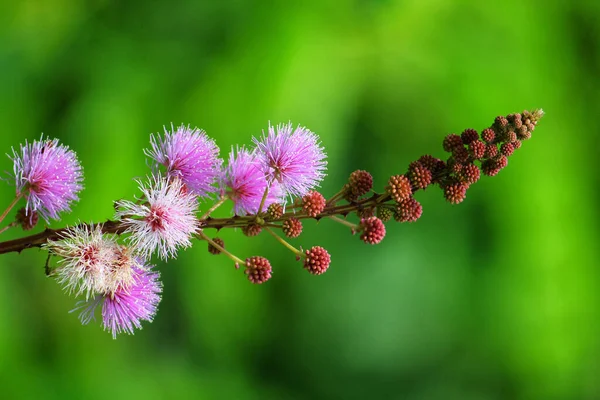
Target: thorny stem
<point x="283" y="242"/>
<point x="7" y="227"/>
<point x="10" y="207"/>
<point x="337" y="196"/>
<point x="116" y="227"/>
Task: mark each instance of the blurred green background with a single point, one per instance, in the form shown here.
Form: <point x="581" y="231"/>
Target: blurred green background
<point x="495" y="298"/>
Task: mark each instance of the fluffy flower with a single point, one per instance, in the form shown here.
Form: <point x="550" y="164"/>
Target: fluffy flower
<point x="125" y="308"/>
<point x="165" y="221"/>
<point x="48" y="175"/>
<point x="86" y="260"/>
<point x="244" y="183"/>
<point x="91" y="262"/>
<point x="291" y="157"/>
<point x="188" y="154"/>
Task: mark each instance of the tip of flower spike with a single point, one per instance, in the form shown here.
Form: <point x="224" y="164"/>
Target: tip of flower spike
<point x="317" y="260"/>
<point x="258" y="269"/>
<point x="212" y="249"/>
<point x="313" y="203"/>
<point x="292" y="227"/>
<point x="373" y="230"/>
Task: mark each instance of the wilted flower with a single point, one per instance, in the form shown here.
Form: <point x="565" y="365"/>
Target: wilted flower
<point x="291" y="157"/>
<point x="164" y="221"/>
<point x="188" y="154"/>
<point x="48" y="175"/>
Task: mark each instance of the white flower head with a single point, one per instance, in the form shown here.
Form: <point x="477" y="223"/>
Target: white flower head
<point x="87" y="259"/>
<point x="165" y="221"/>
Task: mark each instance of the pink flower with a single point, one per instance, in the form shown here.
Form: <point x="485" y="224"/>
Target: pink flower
<point x="125" y="308"/>
<point x="48" y="175"/>
<point x="190" y="155"/>
<point x="292" y="158"/>
<point x="164" y="222"/>
<point x="244" y="183"/>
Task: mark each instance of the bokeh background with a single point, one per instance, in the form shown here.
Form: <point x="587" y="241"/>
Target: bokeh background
<point x="496" y="298"/>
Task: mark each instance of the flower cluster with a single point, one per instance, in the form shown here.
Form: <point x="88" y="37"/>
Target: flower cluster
<point x="271" y="184"/>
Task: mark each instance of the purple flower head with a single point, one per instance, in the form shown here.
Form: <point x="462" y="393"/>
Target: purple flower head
<point x="244" y="183"/>
<point x="291" y="157"/>
<point x="188" y="154"/>
<point x="48" y="175"/>
<point x="125" y="308"/>
<point x="165" y="221"/>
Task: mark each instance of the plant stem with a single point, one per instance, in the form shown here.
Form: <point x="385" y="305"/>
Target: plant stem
<point x="344" y="222"/>
<point x="10" y="207"/>
<point x="237" y="260"/>
<point x="283" y="242"/>
<point x="214" y="207"/>
<point x="7" y="227"/>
